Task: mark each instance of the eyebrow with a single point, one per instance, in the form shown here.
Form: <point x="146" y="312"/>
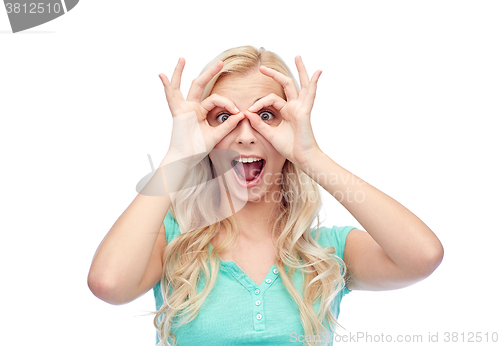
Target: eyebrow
<point x="252" y="103"/>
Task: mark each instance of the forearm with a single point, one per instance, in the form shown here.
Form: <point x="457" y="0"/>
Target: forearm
<point x="401" y="234"/>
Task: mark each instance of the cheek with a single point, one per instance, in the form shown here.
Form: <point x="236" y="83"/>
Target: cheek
<point x="224" y="143"/>
<point x="277" y="163"/>
<point x="275" y="156"/>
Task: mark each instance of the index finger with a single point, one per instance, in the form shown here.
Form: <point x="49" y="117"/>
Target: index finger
<point x="200" y="82"/>
<point x="286" y="82"/>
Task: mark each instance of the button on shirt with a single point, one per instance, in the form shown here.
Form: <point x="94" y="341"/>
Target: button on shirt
<point x="239" y="312"/>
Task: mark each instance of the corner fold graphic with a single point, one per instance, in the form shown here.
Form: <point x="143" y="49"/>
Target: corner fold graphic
<point x="27" y="14"/>
<point x="70" y="4"/>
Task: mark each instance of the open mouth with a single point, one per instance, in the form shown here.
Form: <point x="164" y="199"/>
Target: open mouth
<point x="249" y="169"/>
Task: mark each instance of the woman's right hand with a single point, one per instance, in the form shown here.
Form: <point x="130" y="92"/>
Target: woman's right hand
<point x="191" y="133"/>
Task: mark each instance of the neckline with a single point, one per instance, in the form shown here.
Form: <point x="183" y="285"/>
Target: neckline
<point x="233" y="264"/>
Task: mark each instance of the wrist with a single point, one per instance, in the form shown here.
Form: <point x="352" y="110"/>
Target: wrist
<point x="184" y="162"/>
<point x="309" y="160"/>
<point x="172" y="173"/>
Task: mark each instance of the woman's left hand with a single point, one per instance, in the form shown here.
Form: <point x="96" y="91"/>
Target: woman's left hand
<point x="293" y="137"/>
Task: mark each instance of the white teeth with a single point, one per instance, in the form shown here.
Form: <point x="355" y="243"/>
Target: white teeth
<point x="247" y="159"/>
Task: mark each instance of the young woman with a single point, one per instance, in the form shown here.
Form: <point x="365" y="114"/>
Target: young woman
<point x="237" y="259"/>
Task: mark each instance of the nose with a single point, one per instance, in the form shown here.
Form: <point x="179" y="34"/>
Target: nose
<point x="245" y="134"/>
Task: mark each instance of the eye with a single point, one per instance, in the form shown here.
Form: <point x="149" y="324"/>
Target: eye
<point x="222" y="117"/>
<point x="266" y="115"/>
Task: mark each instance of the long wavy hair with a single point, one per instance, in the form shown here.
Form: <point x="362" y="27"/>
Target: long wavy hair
<point x="186" y="256"/>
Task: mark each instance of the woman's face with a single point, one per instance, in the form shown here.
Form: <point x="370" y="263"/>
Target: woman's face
<point x="262" y="177"/>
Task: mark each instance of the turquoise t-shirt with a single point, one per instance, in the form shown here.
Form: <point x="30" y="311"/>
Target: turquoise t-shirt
<point x="239" y="312"/>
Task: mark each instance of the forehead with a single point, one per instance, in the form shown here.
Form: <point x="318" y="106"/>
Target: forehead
<point x="247" y="88"/>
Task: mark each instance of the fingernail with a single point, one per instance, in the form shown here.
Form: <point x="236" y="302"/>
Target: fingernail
<point x="236" y="109"/>
<point x="251" y="108"/>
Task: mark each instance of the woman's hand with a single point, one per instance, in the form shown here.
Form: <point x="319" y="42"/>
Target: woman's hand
<point x="293" y="137"/>
<point x="191" y="133"/>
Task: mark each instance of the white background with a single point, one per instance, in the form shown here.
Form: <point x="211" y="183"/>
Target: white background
<point x="408" y="101"/>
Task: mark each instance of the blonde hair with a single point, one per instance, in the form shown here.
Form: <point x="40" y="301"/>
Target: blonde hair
<point x="186" y="256"/>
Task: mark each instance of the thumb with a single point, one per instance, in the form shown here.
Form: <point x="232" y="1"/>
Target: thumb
<point x="227" y="126"/>
<point x="260" y="126"/>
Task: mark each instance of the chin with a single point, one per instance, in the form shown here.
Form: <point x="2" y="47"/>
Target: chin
<point x="244" y="196"/>
<point x="256" y="197"/>
<point x="257" y="194"/>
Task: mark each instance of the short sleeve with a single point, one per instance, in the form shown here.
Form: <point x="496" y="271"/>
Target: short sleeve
<point x="172" y="229"/>
<point x="336" y="237"/>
